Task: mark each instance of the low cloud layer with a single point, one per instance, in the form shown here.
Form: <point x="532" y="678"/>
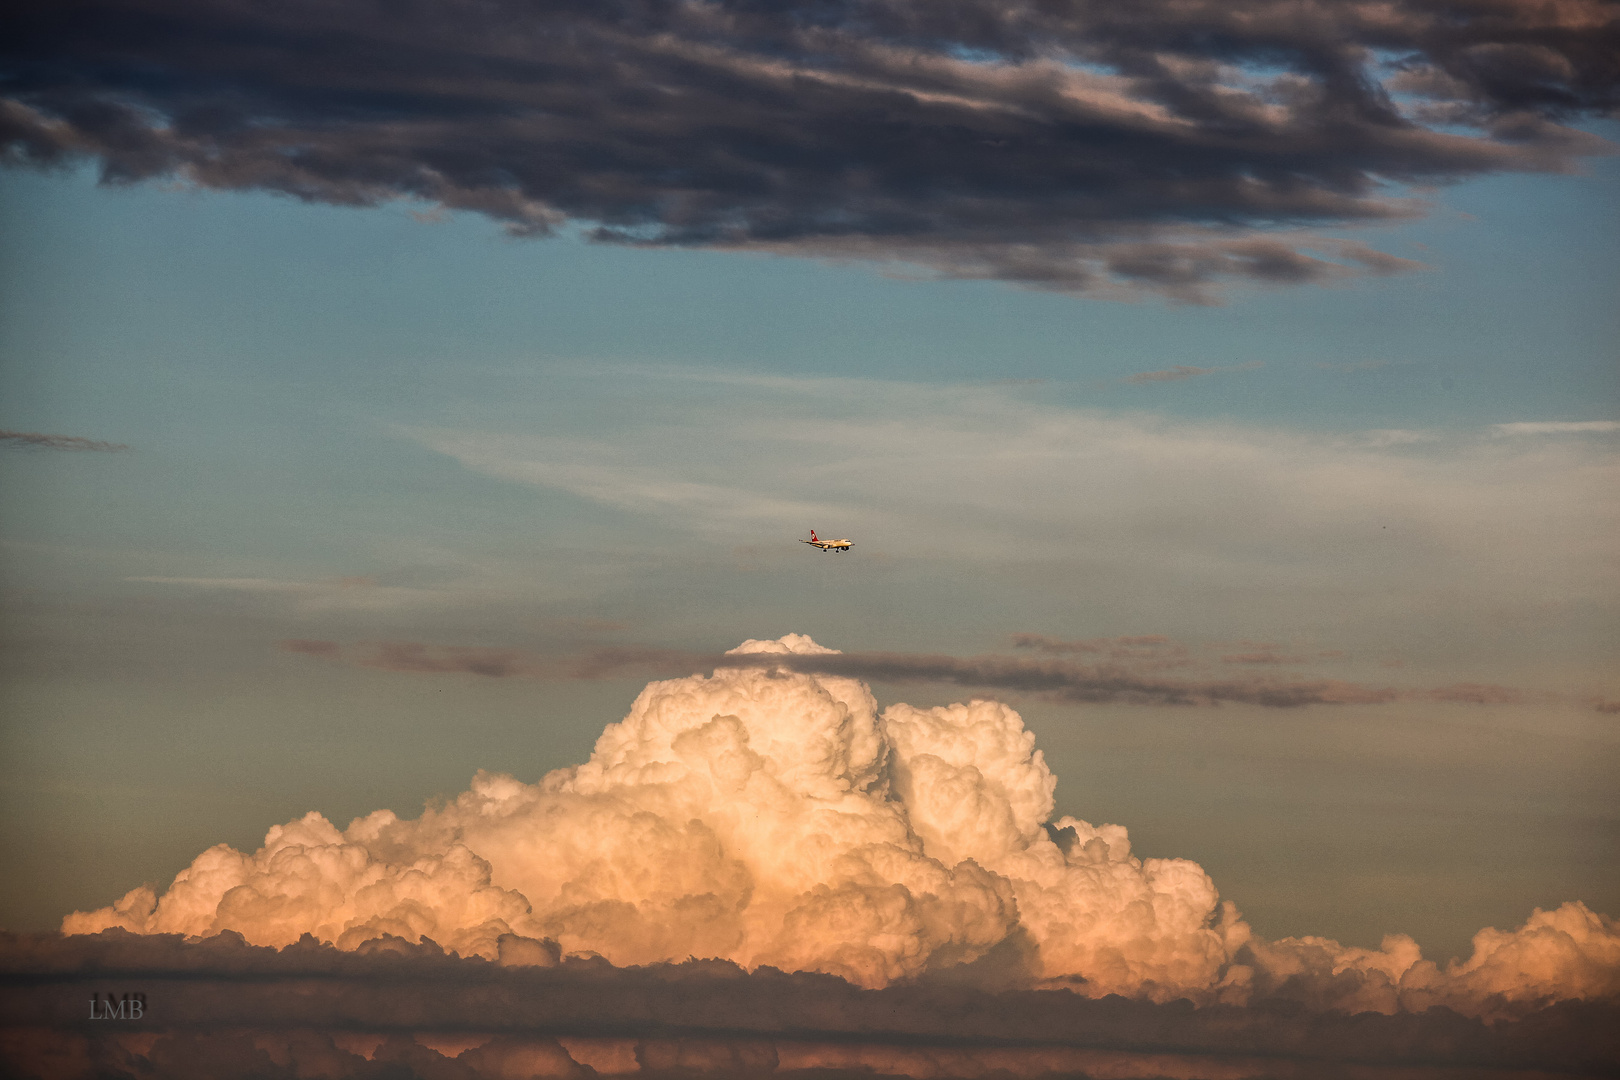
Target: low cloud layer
<point x="1093" y="147"/>
<point x="392" y="1010"/>
<point x="1128" y="674"/>
<point x="33" y="439"/>
<point x="770" y="817"/>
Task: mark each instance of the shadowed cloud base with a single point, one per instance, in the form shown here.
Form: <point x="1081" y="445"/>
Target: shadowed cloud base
<point x="1091" y="147"/>
<point x="218" y="1007"/>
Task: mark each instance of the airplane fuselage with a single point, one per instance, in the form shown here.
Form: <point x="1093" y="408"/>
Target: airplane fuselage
<point x="829" y="545"/>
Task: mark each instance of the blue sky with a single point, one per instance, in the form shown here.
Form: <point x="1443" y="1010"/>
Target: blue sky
<point x="284" y="374"/>
<point x="233" y="284"/>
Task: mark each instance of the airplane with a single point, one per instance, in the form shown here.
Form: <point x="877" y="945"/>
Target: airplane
<point x="826" y="545"/>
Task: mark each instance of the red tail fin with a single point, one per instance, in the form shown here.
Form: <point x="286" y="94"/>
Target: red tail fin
<point x="812" y="534"/>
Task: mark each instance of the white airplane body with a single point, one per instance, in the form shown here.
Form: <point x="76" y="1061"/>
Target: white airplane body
<point x="826" y="545"/>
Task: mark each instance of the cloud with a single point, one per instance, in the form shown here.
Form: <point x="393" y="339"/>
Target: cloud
<point x="1141" y="650"/>
<point x="1382" y="437"/>
<point x="219" y="1007"/>
<point x="1096" y="683"/>
<point x="1174" y="374"/>
<point x="600" y="473"/>
<point x="242" y="584"/>
<point x="1554" y="427"/>
<point x="409" y="656"/>
<point x="1164" y="147"/>
<point x="331" y="594"/>
<point x="1300" y="520"/>
<point x="1183" y="372"/>
<point x="1473" y="694"/>
<point x="57" y="442"/>
<point x="770" y="817"/>
<point x="1127" y="673"/>
<point x="1265" y="654"/>
<point x="306" y="647"/>
<point x="417" y="657"/>
<point x="1125" y="683"/>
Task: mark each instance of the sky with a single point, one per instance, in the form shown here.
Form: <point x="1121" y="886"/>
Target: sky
<point x="1235" y="398"/>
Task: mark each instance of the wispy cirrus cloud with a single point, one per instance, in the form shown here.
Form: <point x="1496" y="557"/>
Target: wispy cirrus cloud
<point x="36" y="440"/>
<point x="342" y="593"/>
<point x="1557" y="427"/>
<point x="1183" y="372"/>
<point x="1175" y="374"/>
<point x="912" y="471"/>
<point x="609" y="475"/>
<point x="1264" y="656"/>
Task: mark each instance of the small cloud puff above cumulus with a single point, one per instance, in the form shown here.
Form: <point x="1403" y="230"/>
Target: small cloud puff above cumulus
<point x="772" y="817"/>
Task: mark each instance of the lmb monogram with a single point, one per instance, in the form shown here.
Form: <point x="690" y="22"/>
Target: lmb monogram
<point x="127" y="1007"/>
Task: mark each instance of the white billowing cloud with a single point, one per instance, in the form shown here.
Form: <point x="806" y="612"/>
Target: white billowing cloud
<point x="775" y="818"/>
<point x="1570" y="952"/>
<point x="975" y="787"/>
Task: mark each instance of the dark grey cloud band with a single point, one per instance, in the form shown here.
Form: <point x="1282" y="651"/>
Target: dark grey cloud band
<point x="1080" y="146"/>
<point x="1118" y="678"/>
<point x="218" y="1007"/>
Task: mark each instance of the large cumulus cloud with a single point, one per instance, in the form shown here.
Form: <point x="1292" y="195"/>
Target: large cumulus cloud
<point x="1082" y="146"/>
<point x="771" y="817"/>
